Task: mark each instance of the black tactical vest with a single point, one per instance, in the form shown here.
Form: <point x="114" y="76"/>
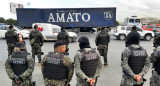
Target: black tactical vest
<point x="137" y="59"/>
<point x="10" y="37"/>
<point x="18" y="62"/>
<point x="62" y="36"/>
<point x="54" y="67"/>
<point x="103" y="39"/>
<point x="89" y="62"/>
<point x="157" y="66"/>
<point x="35" y="36"/>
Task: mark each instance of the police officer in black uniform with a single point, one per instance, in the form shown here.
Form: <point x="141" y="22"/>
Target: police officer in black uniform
<point x="11" y="39"/>
<point x="102" y="40"/>
<point x="155" y="60"/>
<point x="19" y="66"/>
<point x="63" y="36"/>
<point x="87" y="64"/>
<point x="128" y="38"/>
<point x="135" y="62"/>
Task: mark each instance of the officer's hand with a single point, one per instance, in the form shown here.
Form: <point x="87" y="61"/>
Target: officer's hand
<point x="17" y="82"/>
<point x="93" y="82"/>
<point x="138" y="78"/>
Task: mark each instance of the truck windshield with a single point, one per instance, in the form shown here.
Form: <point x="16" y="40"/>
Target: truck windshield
<point x="137" y="21"/>
<point x="131" y="20"/>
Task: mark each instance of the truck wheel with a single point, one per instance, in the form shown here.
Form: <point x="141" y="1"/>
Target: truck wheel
<point x="148" y="37"/>
<point x="122" y="37"/>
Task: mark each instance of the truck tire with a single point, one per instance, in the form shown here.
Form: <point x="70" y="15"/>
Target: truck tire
<point x="122" y="37"/>
<point x="148" y="37"/>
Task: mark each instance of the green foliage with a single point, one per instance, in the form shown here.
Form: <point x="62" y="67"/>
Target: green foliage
<point x="2" y="20"/>
<point x="117" y="23"/>
<point x="11" y="21"/>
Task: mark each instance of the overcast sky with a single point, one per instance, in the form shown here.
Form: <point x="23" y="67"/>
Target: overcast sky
<point x="125" y="8"/>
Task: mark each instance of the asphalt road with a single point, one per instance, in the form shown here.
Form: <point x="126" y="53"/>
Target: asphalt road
<point x="110" y="76"/>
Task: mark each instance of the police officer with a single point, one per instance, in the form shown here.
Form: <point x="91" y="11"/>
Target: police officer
<point x="36" y="42"/>
<point x="155" y="60"/>
<point x="57" y="68"/>
<point x="11" y="39"/>
<point x="87" y="64"/>
<point x="156" y="40"/>
<point x="135" y="63"/>
<point x="63" y="36"/>
<point x="102" y="40"/>
<point x="19" y="66"/>
<point x="128" y="39"/>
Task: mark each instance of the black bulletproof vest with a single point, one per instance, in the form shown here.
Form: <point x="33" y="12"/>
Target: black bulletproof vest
<point x="137" y="59"/>
<point x="54" y="67"/>
<point x="10" y="37"/>
<point x="35" y="35"/>
<point x="89" y="62"/>
<point x="158" y="41"/>
<point x="62" y="36"/>
<point x="157" y="66"/>
<point x="103" y="39"/>
<point x="18" y="62"/>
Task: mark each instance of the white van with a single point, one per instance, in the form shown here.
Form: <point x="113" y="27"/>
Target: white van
<point x="50" y="31"/>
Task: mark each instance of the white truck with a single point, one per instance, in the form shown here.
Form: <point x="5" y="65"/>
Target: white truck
<point x="50" y="31"/>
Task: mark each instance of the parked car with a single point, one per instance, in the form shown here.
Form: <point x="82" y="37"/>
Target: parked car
<point x="120" y="32"/>
<point x="156" y="30"/>
<point x="148" y="27"/>
<point x="4" y="28"/>
<point x="50" y="31"/>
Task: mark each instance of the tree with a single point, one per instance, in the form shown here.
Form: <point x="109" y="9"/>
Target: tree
<point x="11" y="21"/>
<point x="2" y="20"/>
<point x="149" y="20"/>
<point x="117" y="23"/>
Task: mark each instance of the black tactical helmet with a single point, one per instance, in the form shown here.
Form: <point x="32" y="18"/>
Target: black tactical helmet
<point x="21" y="44"/>
<point x="83" y="39"/>
<point x="58" y="43"/>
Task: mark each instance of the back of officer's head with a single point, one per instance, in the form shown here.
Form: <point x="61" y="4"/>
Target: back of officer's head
<point x="83" y="40"/>
<point x="11" y="27"/>
<point x="58" y="43"/>
<point x="21" y="45"/>
<point x="63" y="29"/>
<point x="35" y="26"/>
<point x="134" y="38"/>
<point x="158" y="41"/>
<point x="59" y="46"/>
<point x="134" y="28"/>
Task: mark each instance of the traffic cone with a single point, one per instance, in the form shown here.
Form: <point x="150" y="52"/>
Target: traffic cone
<point x="20" y="37"/>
